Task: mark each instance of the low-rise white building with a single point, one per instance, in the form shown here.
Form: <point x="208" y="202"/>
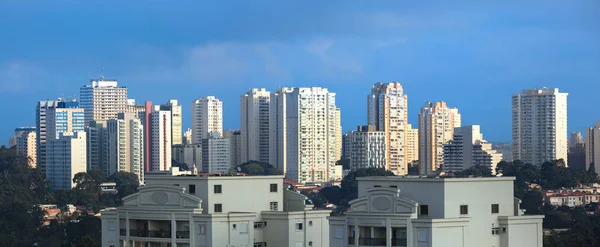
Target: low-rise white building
<point x="215" y="211"/>
<point x="428" y="212"/>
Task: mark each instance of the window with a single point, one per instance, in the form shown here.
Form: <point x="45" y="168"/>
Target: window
<point x="310" y="223"/>
<point x="495" y="208"/>
<point x="234" y="227"/>
<point x="299" y="226"/>
<point x="377" y="186"/>
<point x="260" y="244"/>
<point x="273" y="206"/>
<point x="192" y="189"/>
<point x="260" y="224"/>
<point x="464" y="209"/>
<point x="424" y="209"/>
<point x="218" y="208"/>
<point x="393" y="186"/>
<point x="201" y="229"/>
<point x="218" y="189"/>
<point x="243" y="228"/>
<point x="273" y="188"/>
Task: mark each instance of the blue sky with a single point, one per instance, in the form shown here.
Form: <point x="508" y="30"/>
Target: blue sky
<point x="471" y="54"/>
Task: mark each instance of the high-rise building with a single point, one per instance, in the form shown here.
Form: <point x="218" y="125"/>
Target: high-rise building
<point x="387" y="107"/>
<point x="175" y="108"/>
<point x="412" y="144"/>
<point x="215" y="154"/>
<point x="592" y="147"/>
<point x="26" y="144"/>
<point x="576" y="156"/>
<point x="468" y="149"/>
<point x="66" y="156"/>
<point x="436" y="128"/>
<point x="126" y="145"/>
<point x="303" y="133"/>
<point x="12" y="141"/>
<point x="41" y="128"/>
<point x="207" y="117"/>
<point x="187" y="137"/>
<point x="235" y="146"/>
<point x="97" y="145"/>
<point x="254" y="125"/>
<point x="188" y="154"/>
<point x="539" y="126"/>
<point x="160" y="139"/>
<point x="365" y="148"/>
<point x="338" y="136"/>
<point x="147" y="123"/>
<point x="133" y="108"/>
<point x="103" y="100"/>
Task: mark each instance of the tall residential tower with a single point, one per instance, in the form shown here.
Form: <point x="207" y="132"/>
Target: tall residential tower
<point x="207" y="117"/>
<point x="436" y="128"/>
<point x="254" y="125"/>
<point x="102" y="100"/>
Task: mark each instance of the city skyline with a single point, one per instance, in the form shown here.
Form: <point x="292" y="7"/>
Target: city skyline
<point x="435" y="52"/>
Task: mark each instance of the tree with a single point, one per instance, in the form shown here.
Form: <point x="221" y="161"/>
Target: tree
<point x="331" y="194"/>
<point x="257" y="168"/>
<point x="127" y="183"/>
<point x="476" y="171"/>
<point x="345" y="163"/>
<point x="532" y="202"/>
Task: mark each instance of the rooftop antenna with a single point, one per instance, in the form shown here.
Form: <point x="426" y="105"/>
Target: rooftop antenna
<point x="102" y="74"/>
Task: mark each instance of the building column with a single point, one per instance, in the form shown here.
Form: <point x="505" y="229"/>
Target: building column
<point x="192" y="231"/>
<point x="356" y="236"/>
<point x="388" y="232"/>
<point x="173" y="230"/>
<point x="127" y="229"/>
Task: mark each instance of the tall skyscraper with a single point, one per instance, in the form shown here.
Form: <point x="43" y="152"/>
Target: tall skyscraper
<point x="468" y="149"/>
<point x="66" y="156"/>
<point x="235" y="146"/>
<point x="97" y="146"/>
<point x="302" y="132"/>
<point x="207" y="117"/>
<point x="26" y="144"/>
<point x="576" y="156"/>
<point x="40" y="119"/>
<point x="147" y="123"/>
<point x="126" y="145"/>
<point x="102" y="100"/>
<point x="539" y="126"/>
<point x="215" y="154"/>
<point x="133" y="108"/>
<point x="338" y="136"/>
<point x="254" y="125"/>
<point x="412" y="144"/>
<point x="436" y="128"/>
<point x="387" y="107"/>
<point x="365" y="148"/>
<point x="187" y="137"/>
<point x="592" y="147"/>
<point x="175" y="108"/>
<point x="161" y="139"/>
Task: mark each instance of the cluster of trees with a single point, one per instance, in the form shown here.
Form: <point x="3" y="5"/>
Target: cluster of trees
<point x="257" y="168"/>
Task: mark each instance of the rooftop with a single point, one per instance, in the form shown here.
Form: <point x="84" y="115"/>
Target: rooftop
<point x="435" y="179"/>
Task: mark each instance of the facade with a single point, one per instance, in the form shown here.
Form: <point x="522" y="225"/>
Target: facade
<point x="592" y="146"/>
<point x="571" y="199"/>
<point x="436" y="212"/>
<point x="206" y="211"/>
<point x="41" y="113"/>
<point x="102" y="100"/>
<point x="147" y="122"/>
<point x="576" y="156"/>
<point x="303" y="131"/>
<point x="187" y="137"/>
<point x="338" y="136"/>
<point x="207" y="117"/>
<point x="216" y="154"/>
<point x="66" y="156"/>
<point x="387" y="107"/>
<point x="175" y="109"/>
<point x="365" y="148"/>
<point x="436" y="128"/>
<point x="235" y="146"/>
<point x="539" y="126"/>
<point x="189" y="154"/>
<point x="25" y="141"/>
<point x="412" y="144"/>
<point x="160" y="121"/>
<point x="126" y="145"/>
<point x="468" y="149"/>
<point x="97" y="145"/>
<point x="133" y="108"/>
<point x="254" y="125"/>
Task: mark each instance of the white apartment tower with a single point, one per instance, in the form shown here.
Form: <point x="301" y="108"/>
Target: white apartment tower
<point x="254" y="125"/>
<point x="468" y="149"/>
<point x="207" y="117"/>
<point x="412" y="144"/>
<point x="187" y="137"/>
<point x="40" y="120"/>
<point x="176" y="128"/>
<point x="365" y="148"/>
<point x="102" y="100"/>
<point x="387" y="107"/>
<point x="235" y="146"/>
<point x="303" y="133"/>
<point x="592" y="146"/>
<point x="66" y="156"/>
<point x="215" y="154"/>
<point x="126" y="145"/>
<point x="539" y="126"/>
<point x="160" y="139"/>
<point x="436" y="128"/>
<point x="25" y="141"/>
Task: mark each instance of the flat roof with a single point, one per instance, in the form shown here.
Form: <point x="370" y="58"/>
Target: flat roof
<point x="224" y="177"/>
<point x="430" y="180"/>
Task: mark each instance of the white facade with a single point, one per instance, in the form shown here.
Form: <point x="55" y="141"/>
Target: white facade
<point x="126" y="145"/>
<point x="437" y="122"/>
<point x="387" y="107"/>
<point x="235" y="146"/>
<point x="189" y="154"/>
<point x="25" y="141"/>
<point x="468" y="149"/>
<point x="207" y="211"/>
<point x="187" y="137"/>
<point x="254" y="125"/>
<point x="102" y="100"/>
<point x="303" y="131"/>
<point x="215" y="154"/>
<point x="539" y="126"/>
<point x="592" y="145"/>
<point x="176" y="130"/>
<point x="66" y="156"/>
<point x="436" y="212"/>
<point x="412" y="144"/>
<point x="207" y="117"/>
<point x="160" y="139"/>
<point x="365" y="148"/>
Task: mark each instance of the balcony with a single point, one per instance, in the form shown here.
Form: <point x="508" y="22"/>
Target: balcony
<point x="372" y="241"/>
<point x="151" y="233"/>
<point x="182" y="234"/>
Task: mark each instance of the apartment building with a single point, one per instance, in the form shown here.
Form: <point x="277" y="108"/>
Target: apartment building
<point x="66" y="156"/>
<point x="207" y="117"/>
<point x="412" y="144"/>
<point x="216" y="155"/>
<point x="436" y="212"/>
<point x="160" y="139"/>
<point x="102" y="99"/>
<point x="468" y="149"/>
<point x="126" y="145"/>
<point x="235" y="146"/>
<point x="175" y="108"/>
<point x="254" y="125"/>
<point x="303" y="133"/>
<point x="387" y="107"/>
<point x="576" y="155"/>
<point x="215" y="211"/>
<point x="592" y="146"/>
<point x="97" y="145"/>
<point x="189" y="154"/>
<point x="365" y="148"/>
<point x="437" y="122"/>
<point x="539" y="126"/>
<point x="25" y="141"/>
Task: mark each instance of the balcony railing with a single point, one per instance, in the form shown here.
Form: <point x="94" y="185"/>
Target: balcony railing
<point x="351" y="240"/>
<point x="151" y="233"/>
<point x="399" y="242"/>
<point x="372" y="241"/>
<point x="182" y="234"/>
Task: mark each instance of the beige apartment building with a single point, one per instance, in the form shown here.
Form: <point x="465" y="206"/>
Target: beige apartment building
<point x="126" y="145"/>
<point x="387" y="107"/>
<point x="176" y="129"/>
<point x="102" y="100"/>
<point x="412" y="144"/>
<point x="25" y="141"/>
<point x="203" y="211"/>
<point x="436" y="128"/>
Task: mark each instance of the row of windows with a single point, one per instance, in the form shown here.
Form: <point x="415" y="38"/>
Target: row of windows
<point x="218" y="189"/>
<point x="464" y="209"/>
